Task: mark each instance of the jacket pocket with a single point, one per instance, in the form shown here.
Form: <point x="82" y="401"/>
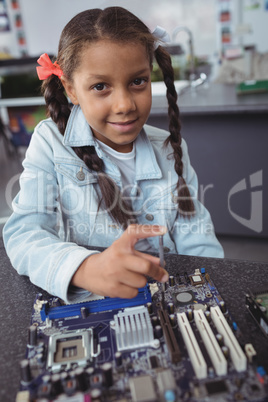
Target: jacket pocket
<point x="75" y="171"/>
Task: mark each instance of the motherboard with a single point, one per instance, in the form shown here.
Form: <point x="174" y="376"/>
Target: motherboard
<point x="173" y="342"/>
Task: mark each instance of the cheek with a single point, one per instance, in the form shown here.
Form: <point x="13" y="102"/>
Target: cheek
<point x="146" y="103"/>
<point x="94" y="111"/>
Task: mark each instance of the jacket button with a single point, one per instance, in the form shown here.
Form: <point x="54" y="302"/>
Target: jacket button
<point x="149" y="217"/>
<point x="166" y="250"/>
<point x="80" y="175"/>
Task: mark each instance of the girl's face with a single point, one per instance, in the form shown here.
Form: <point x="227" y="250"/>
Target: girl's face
<point x="112" y="85"/>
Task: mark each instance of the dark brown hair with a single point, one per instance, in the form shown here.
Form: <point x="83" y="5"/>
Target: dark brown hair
<point x="115" y="24"/>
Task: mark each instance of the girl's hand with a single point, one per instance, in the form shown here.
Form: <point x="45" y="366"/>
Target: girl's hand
<point x="120" y="270"/>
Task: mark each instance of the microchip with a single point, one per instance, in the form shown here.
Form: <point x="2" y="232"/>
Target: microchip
<point x="216" y="387"/>
<point x="142" y="389"/>
<point x="183" y="298"/>
<point x="196" y="280"/>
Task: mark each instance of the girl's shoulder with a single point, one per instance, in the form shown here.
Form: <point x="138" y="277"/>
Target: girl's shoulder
<point x="155" y="133"/>
<point x="47" y="125"/>
<point x="158" y="136"/>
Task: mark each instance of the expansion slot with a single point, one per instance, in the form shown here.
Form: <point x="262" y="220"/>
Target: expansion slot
<point x="197" y="359"/>
<point x="237" y="355"/>
<point x="95" y="306"/>
<point x="218" y="360"/>
<point x="169" y="336"/>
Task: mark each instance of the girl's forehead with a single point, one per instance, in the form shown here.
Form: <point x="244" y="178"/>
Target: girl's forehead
<point x="106" y="53"/>
<point x="102" y="46"/>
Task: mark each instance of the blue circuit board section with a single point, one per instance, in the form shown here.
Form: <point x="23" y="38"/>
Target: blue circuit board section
<point x="171" y="343"/>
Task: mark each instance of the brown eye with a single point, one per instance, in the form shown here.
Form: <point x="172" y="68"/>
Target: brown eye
<point x="99" y="87"/>
<point x="139" y="81"/>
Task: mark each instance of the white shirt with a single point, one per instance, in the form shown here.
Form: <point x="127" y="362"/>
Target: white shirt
<point x="126" y="165"/>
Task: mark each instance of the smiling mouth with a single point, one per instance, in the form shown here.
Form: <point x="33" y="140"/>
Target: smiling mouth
<point x="123" y="123"/>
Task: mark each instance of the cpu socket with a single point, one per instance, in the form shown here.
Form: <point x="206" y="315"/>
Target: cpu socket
<point x="70" y="348"/>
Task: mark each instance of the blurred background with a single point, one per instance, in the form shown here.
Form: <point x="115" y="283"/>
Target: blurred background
<point x="219" y="51"/>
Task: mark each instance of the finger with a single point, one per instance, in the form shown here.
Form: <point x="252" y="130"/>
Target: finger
<point x="133" y="279"/>
<point x="146" y="267"/>
<point x="135" y="232"/>
<point x="125" y="292"/>
<point x="154" y="260"/>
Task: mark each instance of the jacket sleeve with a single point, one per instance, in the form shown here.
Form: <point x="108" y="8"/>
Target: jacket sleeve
<point x="31" y="235"/>
<point x="195" y="236"/>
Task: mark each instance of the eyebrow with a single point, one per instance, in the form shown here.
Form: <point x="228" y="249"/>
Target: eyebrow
<point x="103" y="77"/>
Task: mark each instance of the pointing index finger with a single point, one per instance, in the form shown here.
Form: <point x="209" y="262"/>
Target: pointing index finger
<point x="134" y="232"/>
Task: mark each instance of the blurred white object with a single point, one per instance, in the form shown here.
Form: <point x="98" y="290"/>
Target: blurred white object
<point x="159" y="88"/>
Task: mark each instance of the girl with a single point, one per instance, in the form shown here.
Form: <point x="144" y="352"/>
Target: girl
<point x="95" y="174"/>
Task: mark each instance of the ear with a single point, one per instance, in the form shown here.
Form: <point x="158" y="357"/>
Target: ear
<point x="70" y="90"/>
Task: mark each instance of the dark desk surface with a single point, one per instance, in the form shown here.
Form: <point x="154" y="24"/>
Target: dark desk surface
<point x="213" y="99"/>
<point x="232" y="278"/>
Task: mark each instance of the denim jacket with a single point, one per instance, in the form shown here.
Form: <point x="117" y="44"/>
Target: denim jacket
<point x="56" y="212"/>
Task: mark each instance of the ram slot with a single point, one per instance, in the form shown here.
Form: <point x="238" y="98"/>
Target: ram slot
<point x="197" y="359"/>
<point x="237" y="355"/>
<point x="215" y="353"/>
<point x="169" y="336"/>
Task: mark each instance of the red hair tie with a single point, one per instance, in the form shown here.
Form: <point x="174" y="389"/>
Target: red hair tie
<point x="47" y="67"/>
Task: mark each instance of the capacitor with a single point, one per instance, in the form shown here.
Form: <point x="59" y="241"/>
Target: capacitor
<point x="172" y="318"/>
<point x="211" y="372"/>
<point x="90" y="371"/>
<point x="219" y="338"/>
<point x="63" y="376"/>
<point x="149" y="308"/>
<point x="171" y="280"/>
<point x="84" y="312"/>
<point x="39" y="358"/>
<point x="225" y="351"/>
<point x="189" y="313"/>
<point x="32" y="336"/>
<point x="81" y="380"/>
<point x="208" y="316"/>
<point x="95" y="394"/>
<point x="56" y="384"/>
<point x="223" y="306"/>
<point x="155" y="321"/>
<point x="107" y="373"/>
<point x="158" y="332"/>
<point x="171" y="308"/>
<point x="118" y="359"/>
<point x="25" y="370"/>
<point x="40" y="347"/>
<point x="46" y="378"/>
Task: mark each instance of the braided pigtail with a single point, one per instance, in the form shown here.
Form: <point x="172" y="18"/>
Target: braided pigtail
<point x="57" y="103"/>
<point x="185" y="202"/>
<point x="110" y="192"/>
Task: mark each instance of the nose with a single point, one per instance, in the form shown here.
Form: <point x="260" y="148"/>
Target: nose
<point x="123" y="102"/>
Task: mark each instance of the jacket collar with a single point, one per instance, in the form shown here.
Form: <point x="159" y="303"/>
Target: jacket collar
<point x="78" y="134"/>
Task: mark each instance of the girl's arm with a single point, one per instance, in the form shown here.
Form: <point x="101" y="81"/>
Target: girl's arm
<point x="36" y="247"/>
